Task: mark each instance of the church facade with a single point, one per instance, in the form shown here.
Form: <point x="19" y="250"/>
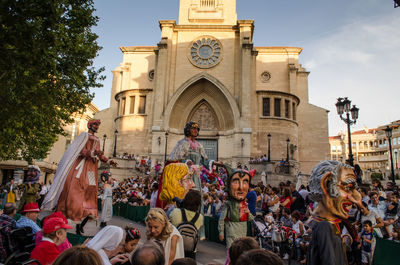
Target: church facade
<point x="205" y="68"/>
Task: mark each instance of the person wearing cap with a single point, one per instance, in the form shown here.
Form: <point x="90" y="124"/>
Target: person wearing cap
<point x="29" y="218"/>
<point x="74" y="190"/>
<point x="54" y="234"/>
<point x="39" y="235"/>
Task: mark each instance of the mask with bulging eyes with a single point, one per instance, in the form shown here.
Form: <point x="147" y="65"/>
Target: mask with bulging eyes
<point x="342" y="194"/>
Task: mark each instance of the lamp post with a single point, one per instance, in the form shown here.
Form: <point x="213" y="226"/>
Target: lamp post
<point x="166" y="145"/>
<point x="395" y="157"/>
<point x="269" y="147"/>
<point x="388" y="132"/>
<point x="344" y="105"/>
<point x="287" y="149"/>
<point x="104" y="141"/>
<point x="115" y="143"/>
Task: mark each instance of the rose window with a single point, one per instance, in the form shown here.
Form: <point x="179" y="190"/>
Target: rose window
<point x="205" y="52"/>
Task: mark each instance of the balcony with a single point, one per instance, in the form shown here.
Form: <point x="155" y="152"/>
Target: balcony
<point x="379" y="158"/>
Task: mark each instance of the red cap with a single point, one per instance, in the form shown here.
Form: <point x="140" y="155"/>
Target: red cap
<point x="31" y="207"/>
<point x="53" y="224"/>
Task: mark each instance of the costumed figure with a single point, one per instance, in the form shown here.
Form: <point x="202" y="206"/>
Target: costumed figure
<point x="235" y="214"/>
<point x="333" y="185"/>
<point x="106" y="198"/>
<point x="74" y="189"/>
<point x="189" y="149"/>
<point x="30" y="186"/>
<point x="176" y="182"/>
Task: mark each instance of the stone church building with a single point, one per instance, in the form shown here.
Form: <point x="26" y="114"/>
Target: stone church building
<point x="205" y="68"/>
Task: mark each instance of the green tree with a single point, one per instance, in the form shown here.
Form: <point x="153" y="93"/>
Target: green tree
<point x="47" y="50"/>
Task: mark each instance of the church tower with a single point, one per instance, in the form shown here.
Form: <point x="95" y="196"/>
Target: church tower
<point x="210" y="12"/>
<point x="205" y="68"/>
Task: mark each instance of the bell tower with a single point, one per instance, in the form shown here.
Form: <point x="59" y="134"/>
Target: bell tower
<point x="207" y="12"/>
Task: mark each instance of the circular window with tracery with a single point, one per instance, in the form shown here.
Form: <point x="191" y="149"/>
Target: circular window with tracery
<point x="205" y="52"/>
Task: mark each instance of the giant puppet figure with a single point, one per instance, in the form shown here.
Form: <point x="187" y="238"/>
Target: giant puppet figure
<point x="189" y="149"/>
<point x="191" y="152"/>
<point x="176" y="182"/>
<point x="30" y="186"/>
<point x="235" y="214"/>
<point x="74" y="189"/>
<point x="333" y="186"/>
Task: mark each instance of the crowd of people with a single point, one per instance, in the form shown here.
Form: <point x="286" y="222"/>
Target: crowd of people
<point x="285" y="208"/>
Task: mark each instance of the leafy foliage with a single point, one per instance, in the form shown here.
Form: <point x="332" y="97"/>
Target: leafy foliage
<point x="47" y="50"/>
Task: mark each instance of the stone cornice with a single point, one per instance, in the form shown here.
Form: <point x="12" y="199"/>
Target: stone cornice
<point x="167" y="23"/>
<point x="138" y="49"/>
<point x="279" y="50"/>
<point x="207" y="27"/>
<point x="134" y="90"/>
<point x="274" y="92"/>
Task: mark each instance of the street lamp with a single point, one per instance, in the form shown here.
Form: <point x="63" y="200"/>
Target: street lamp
<point x="269" y="147"/>
<point x="104" y="141"/>
<point x="166" y="144"/>
<point x="287" y="147"/>
<point x="115" y="143"/>
<point x="344" y="105"/>
<point x="388" y="132"/>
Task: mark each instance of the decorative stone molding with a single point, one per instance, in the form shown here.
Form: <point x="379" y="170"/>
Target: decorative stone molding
<point x="151" y="75"/>
<point x="265" y="76"/>
<point x="205" y="117"/>
<point x="205" y="52"/>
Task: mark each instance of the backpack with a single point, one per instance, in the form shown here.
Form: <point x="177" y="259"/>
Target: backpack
<point x="189" y="233"/>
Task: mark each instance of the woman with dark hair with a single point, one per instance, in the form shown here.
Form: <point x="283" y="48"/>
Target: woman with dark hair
<point x="286" y="199"/>
<point x="191" y="205"/>
<point x="358" y="172"/>
<point x="79" y="255"/>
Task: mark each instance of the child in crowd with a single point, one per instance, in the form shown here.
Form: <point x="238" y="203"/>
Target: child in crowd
<point x="367" y="242"/>
<point x="132" y="237"/>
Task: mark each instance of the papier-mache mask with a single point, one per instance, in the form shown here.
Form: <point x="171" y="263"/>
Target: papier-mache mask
<point x="334" y="185"/>
<point x="176" y="182"/>
<point x="238" y="182"/>
<point x="33" y="174"/>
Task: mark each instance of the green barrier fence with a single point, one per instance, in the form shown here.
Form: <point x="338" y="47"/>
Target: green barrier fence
<point x="139" y="213"/>
<point x="386" y="252"/>
<point x="133" y="213"/>
<point x="77" y="239"/>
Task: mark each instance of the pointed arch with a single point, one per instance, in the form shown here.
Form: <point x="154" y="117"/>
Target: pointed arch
<point x="202" y="88"/>
<point x="205" y="116"/>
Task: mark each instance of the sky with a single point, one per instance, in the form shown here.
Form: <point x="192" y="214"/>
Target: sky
<point x="350" y="47"/>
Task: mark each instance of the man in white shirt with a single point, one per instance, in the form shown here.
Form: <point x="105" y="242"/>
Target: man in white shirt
<point x="204" y="188"/>
<point x="303" y="192"/>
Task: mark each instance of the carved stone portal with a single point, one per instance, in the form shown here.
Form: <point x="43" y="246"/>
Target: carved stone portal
<point x="205" y="117"/>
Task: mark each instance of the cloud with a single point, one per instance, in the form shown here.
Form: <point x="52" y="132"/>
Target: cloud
<point x="359" y="60"/>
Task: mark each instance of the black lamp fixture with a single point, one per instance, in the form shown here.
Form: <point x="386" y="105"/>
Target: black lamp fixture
<point x="242" y="142"/>
<point x="343" y="106"/>
<point x="269" y="147"/>
<point x="166" y="145"/>
<point x="104" y="141"/>
<point x="388" y="132"/>
<point x="159" y="140"/>
<point x="287" y="149"/>
<point x="115" y="143"/>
